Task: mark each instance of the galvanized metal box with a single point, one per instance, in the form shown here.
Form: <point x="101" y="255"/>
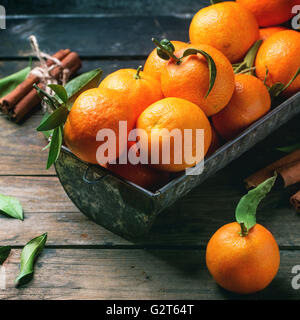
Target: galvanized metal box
<point x="129" y="210"/>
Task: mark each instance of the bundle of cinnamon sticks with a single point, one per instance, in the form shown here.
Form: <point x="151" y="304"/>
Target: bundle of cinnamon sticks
<point x="24" y="98"/>
<point x="288" y="169"/>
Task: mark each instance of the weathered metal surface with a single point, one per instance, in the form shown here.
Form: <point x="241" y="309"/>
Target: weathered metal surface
<point x="106" y="199"/>
<point x="129" y="210"/>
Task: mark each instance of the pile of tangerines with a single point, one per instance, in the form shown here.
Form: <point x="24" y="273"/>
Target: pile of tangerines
<point x="221" y="82"/>
<point x="193" y="85"/>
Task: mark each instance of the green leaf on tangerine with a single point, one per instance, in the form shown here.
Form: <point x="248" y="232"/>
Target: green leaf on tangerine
<point x="211" y="66"/>
<point x="55" y="146"/>
<point x="246" y="209"/>
<point x="60" y="92"/>
<point x="82" y="83"/>
<point x="55" y="119"/>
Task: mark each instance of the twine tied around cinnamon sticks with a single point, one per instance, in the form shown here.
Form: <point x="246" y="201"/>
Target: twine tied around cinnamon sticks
<point x="42" y="72"/>
<point x="51" y="69"/>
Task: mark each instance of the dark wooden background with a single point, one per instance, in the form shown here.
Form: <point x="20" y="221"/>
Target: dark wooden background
<point x="83" y="260"/>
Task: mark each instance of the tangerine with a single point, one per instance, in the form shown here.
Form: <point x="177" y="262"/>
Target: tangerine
<point x="242" y="264"/>
<point x="175" y="114"/>
<point x="250" y="101"/>
<point x="227" y="26"/>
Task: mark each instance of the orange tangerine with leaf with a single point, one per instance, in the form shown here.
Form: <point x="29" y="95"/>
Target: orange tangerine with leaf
<point x="243" y="256"/>
<point x="278" y="61"/>
<point x="198" y="73"/>
<point x="154" y="64"/>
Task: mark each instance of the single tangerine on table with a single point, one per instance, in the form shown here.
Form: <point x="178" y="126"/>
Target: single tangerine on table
<point x="266" y="33"/>
<point x="140" y="88"/>
<point x="270" y="12"/>
<point x="227" y="26"/>
<point x="174" y="113"/>
<point x="250" y="101"/>
<point x="242" y="264"/>
<point x="278" y="60"/>
<point x="93" y="110"/>
<point x="154" y="64"/>
<point x="189" y="79"/>
<point x="243" y="256"/>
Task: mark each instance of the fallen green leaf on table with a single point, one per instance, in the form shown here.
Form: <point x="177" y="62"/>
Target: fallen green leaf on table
<point x="28" y="257"/>
<point x="11" y="207"/>
<point x="4" y="253"/>
<point x="245" y="213"/>
<point x="10" y="82"/>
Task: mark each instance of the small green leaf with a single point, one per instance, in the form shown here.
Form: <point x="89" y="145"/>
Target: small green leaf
<point x="9" y="83"/>
<point x="82" y="83"/>
<point x="4" y="253"/>
<point x="247" y="65"/>
<point x="245" y="213"/>
<point x="293" y="79"/>
<point x="55" y="119"/>
<point x="289" y="149"/>
<point x="211" y="66"/>
<point x="28" y="257"/>
<point x="49" y="133"/>
<point x="276" y="89"/>
<point x="60" y="92"/>
<point x="11" y="206"/>
<point x="55" y="146"/>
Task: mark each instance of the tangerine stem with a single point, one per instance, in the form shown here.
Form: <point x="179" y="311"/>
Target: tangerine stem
<point x="137" y="75"/>
<point x="50" y="99"/>
<point x="244" y="231"/>
<point x="171" y="55"/>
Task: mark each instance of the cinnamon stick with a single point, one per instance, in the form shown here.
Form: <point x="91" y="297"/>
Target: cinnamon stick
<point x="288" y="167"/>
<point x="29" y="101"/>
<point x="295" y="201"/>
<point x="290" y="173"/>
<point x="68" y="62"/>
<point x="9" y="101"/>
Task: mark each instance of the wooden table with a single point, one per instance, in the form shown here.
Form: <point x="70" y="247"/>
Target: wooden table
<point x="83" y="260"/>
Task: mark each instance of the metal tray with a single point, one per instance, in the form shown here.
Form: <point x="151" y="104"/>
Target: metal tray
<point x="129" y="210"/>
